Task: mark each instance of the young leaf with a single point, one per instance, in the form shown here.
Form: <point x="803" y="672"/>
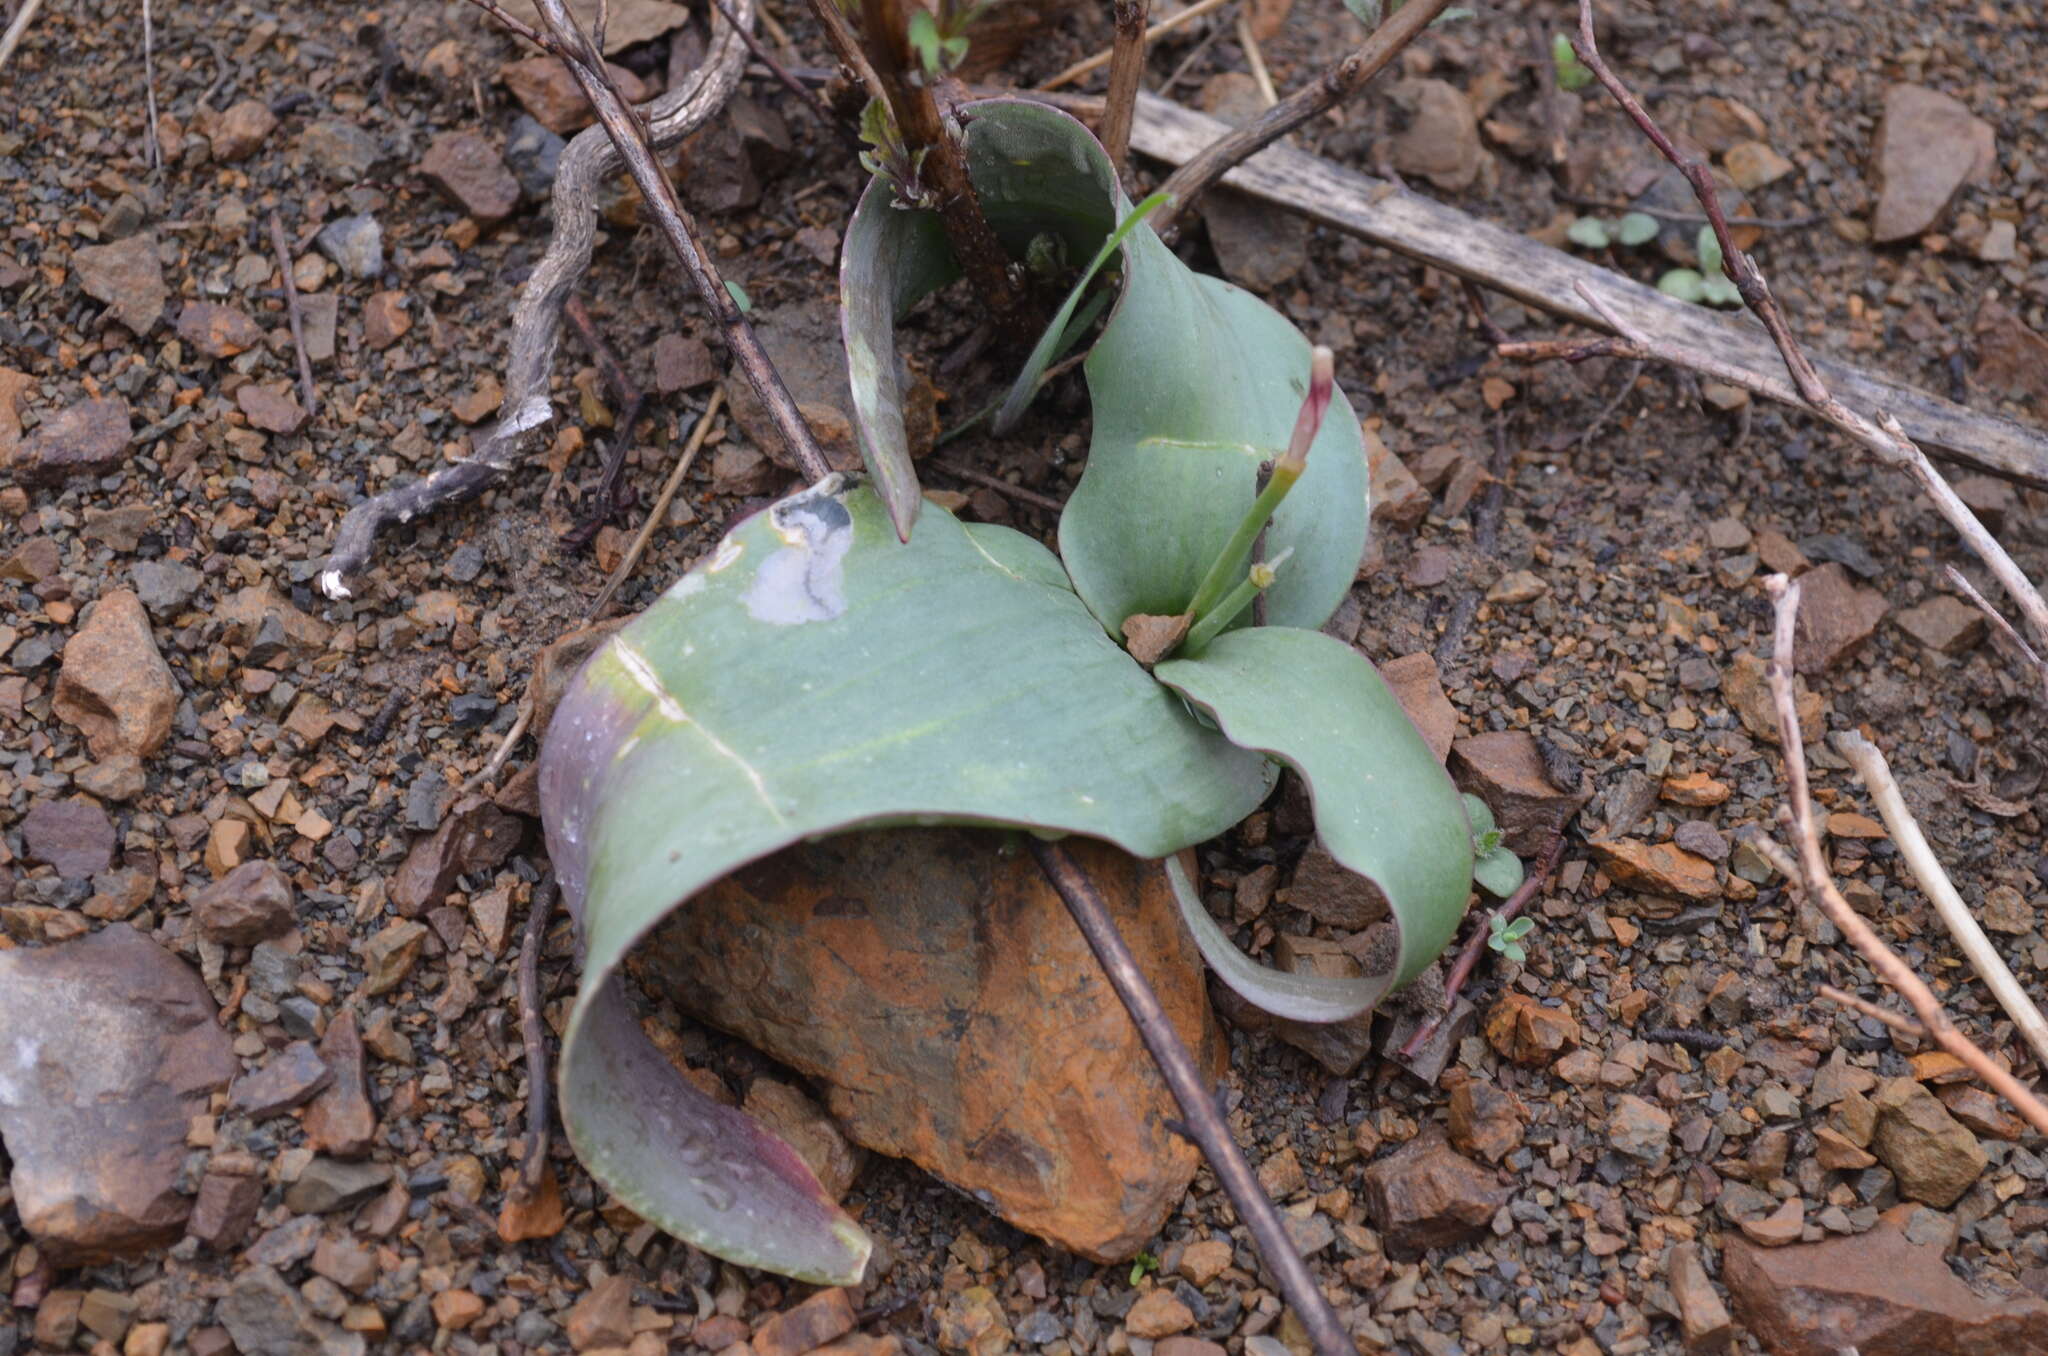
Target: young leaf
<point x="1498" y="872"/>
<point x="956" y="678"/>
<point x="739" y="296"/>
<point x="1720" y="291"/>
<point x="1637" y="228"/>
<point x="1519" y="929"/>
<point x="1709" y="246"/>
<point x="1572" y="74"/>
<point x="1383" y="806"/>
<point x="1683" y="283"/>
<point x="1588" y="231"/>
<point x="924" y="41"/>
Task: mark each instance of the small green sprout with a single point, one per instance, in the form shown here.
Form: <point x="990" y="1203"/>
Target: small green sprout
<point x="739" y="297"/>
<point x="1572" y="73"/>
<point x="1506" y="937"/>
<point x="1495" y="869"/>
<point x="1707" y="284"/>
<point x="1597" y="233"/>
<point x="1141" y="1265"/>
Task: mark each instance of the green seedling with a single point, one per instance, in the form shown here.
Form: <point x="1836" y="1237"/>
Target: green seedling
<point x="1505" y="937"/>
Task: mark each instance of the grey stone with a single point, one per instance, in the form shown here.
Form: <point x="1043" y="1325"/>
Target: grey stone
<point x="355" y="244"/>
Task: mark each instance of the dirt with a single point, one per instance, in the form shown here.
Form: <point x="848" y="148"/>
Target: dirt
<point x="1634" y="527"/>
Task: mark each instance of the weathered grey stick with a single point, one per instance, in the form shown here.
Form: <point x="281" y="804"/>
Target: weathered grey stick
<point x="1411" y="224"/>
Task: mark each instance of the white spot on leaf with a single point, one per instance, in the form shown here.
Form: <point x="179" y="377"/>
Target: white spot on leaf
<point x="805" y="580"/>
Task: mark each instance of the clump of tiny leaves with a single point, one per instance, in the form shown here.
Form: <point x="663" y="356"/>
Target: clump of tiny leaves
<point x="1707" y="284"/>
<point x="1505" y="937"/>
<point x="854" y="657"/>
<point x="1597" y="233"/>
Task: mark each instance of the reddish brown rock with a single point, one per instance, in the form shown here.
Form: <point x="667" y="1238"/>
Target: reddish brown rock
<point x="288" y="1078"/>
<point x="1329" y="893"/>
<point x="803" y="1125"/>
<point x="1525" y="1032"/>
<point x="1928" y="146"/>
<point x="242" y="908"/>
<point x="238" y="133"/>
<point x="75" y="836"/>
<point x="1415" y="683"/>
<point x="88" y="439"/>
<point x="1425" y="1196"/>
<point x="2012" y="360"/>
<point x="1747" y="686"/>
<point x="109" y="1046"/>
<point x="1702" y="1317"/>
<point x="970" y="1030"/>
<point x="1934" y="1157"/>
<point x="1880" y="1292"/>
<point x="1486" y="1121"/>
<point x="1836" y="615"/>
<point x="604" y="1316"/>
<point x="1398" y="500"/>
<point x="341" y="1121"/>
<point x="1442" y="140"/>
<point x="1158" y="1313"/>
<point x="225" y="1209"/>
<point x="475" y="835"/>
<point x="1943" y="624"/>
<point x="274" y="409"/>
<point x="217" y="331"/>
<point x="385" y="320"/>
<point x="824" y="1317"/>
<point x="1658" y="869"/>
<point x="470" y="173"/>
<point x="114" y="686"/>
<point x="128" y="277"/>
<point x="682" y="363"/>
<point x="1505" y="769"/>
<point x="544" y="88"/>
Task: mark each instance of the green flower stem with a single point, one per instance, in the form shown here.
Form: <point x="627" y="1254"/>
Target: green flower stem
<point x="1216" y="584"/>
<point x="1259" y="579"/>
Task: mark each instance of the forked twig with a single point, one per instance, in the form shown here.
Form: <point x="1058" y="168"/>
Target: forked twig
<point x="1325" y="92"/>
<point x="661" y="503"/>
<point x="1810" y="871"/>
<point x="1997" y="619"/>
<point x="1205" y="1123"/>
<point x="1877" y="776"/>
<point x="1883" y="437"/>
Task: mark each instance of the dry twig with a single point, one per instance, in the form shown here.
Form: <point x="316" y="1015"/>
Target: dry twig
<point x="15" y="28"/>
<point x="1898" y="1022"/>
<point x="590" y="160"/>
<point x="295" y="313"/>
<point x="1325" y="92"/>
<point x="605" y="500"/>
<point x="1877" y="776"/>
<point x="1126" y="72"/>
<point x="156" y="146"/>
<point x="661" y="503"/>
<point x="2012" y="638"/>
<point x="1095" y="63"/>
<point x="533" y="1036"/>
<point x="1883" y="437"/>
<point x="1810" y="871"/>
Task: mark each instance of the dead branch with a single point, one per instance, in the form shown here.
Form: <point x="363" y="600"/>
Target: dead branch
<point x="590" y="160"/>
<point x="1325" y="92"/>
<point x="629" y="398"/>
<point x="660" y="508"/>
<point x="1095" y="63"/>
<point x="156" y="145"/>
<point x="1882" y="437"/>
<point x="1810" y="872"/>
<point x="2012" y="638"/>
<point x="15" y="28"/>
<point x="1898" y="1022"/>
<point x="1386" y="215"/>
<point x="886" y="29"/>
<point x="533" y="1036"/>
<point x="1877" y="776"/>
<point x="1126" y="71"/>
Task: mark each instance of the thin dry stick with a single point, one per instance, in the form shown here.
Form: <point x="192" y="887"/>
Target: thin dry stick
<point x="281" y="247"/>
<point x="156" y="148"/>
<point x="1475" y="945"/>
<point x="1998" y="621"/>
<point x="1896" y="1021"/>
<point x="846" y="48"/>
<point x="533" y="1035"/>
<point x="1126" y="73"/>
<point x="1255" y="59"/>
<point x="18" y="26"/>
<point x="1883" y="437"/>
<point x="1087" y="65"/>
<point x="1325" y="92"/>
<point x="1204" y="1122"/>
<point x="661" y="503"/>
<point x="1811" y="871"/>
<point x="1877" y="776"/>
<point x="525" y="413"/>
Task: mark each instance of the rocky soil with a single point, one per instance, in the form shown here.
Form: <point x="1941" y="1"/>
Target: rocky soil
<point x="261" y="1082"/>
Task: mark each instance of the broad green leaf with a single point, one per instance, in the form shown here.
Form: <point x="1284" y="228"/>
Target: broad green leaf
<point x="1383" y="806"/>
<point x="816" y="675"/>
<point x="1636" y="228"/>
<point x="1683" y="283"/>
<point x="1194" y="384"/>
<point x="1498" y="872"/>
<point x="1588" y="231"/>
